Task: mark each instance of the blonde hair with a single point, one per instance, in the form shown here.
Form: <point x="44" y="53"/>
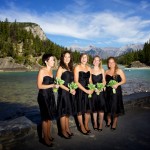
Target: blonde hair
<point x="100" y="64"/>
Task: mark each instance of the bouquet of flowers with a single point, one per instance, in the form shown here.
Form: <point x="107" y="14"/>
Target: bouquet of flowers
<point x="58" y="81"/>
<point x="111" y="84"/>
<point x="99" y="87"/>
<point x="91" y="87"/>
<point x="72" y="86"/>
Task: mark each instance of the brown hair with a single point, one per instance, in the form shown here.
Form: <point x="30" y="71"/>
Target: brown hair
<point x="46" y="57"/>
<point x="83" y="55"/>
<point x="62" y="64"/>
<point x="116" y="66"/>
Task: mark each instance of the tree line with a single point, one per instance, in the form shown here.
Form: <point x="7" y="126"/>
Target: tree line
<point x="14" y="34"/>
<point x="140" y="55"/>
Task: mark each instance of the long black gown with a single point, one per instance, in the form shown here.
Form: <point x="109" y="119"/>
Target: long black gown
<point x="83" y="103"/>
<point x="65" y="100"/>
<point x="98" y="101"/>
<point x="46" y="100"/>
<point x="114" y="101"/>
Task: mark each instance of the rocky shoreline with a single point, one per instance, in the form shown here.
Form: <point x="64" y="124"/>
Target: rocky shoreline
<point x="8" y="64"/>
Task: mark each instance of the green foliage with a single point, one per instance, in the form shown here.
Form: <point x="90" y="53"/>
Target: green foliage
<point x="58" y="81"/>
<point x="19" y="59"/>
<point x="40" y="62"/>
<point x="14" y="34"/>
<point x="76" y="56"/>
<point x="72" y="86"/>
<point x="111" y="84"/>
<point x="91" y="87"/>
<point x="140" y="55"/>
<point x="100" y="86"/>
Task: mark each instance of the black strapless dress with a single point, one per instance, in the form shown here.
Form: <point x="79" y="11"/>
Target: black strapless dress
<point x="83" y="103"/>
<point x="46" y="100"/>
<point x="114" y="102"/>
<point x="98" y="101"/>
<point x="65" y="100"/>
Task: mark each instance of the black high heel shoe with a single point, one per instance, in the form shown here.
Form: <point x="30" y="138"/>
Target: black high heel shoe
<point x="51" y="139"/>
<point x="108" y="125"/>
<point x="100" y="130"/>
<point x="63" y="136"/>
<point x="95" y="129"/>
<point x="86" y="133"/>
<point x="113" y="129"/>
<point x="70" y="134"/>
<point x="44" y="143"/>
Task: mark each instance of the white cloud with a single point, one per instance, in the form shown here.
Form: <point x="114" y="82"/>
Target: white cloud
<point x="91" y="26"/>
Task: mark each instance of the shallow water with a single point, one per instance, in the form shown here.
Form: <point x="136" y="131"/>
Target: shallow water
<point x="20" y="87"/>
<point x="18" y="92"/>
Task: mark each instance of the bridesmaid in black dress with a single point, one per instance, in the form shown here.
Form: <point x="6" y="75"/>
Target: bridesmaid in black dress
<point x="114" y="101"/>
<point x="65" y="96"/>
<point x="98" y="101"/>
<point x="46" y="99"/>
<point x="82" y="76"/>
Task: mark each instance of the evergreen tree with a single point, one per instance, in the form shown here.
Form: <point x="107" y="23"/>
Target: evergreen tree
<point x="17" y="42"/>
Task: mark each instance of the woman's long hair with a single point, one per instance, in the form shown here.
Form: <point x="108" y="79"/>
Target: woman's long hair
<point x="100" y="64"/>
<point x="70" y="64"/>
<point x="116" y="66"/>
<point x="82" y="54"/>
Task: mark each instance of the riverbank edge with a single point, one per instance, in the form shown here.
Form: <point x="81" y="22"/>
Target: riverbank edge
<point x="22" y="129"/>
<point x="21" y="70"/>
<point x="137" y="68"/>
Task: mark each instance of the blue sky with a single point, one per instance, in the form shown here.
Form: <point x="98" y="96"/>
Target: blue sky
<point x="102" y="23"/>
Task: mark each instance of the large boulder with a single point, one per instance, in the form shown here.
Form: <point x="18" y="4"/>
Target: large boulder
<point x="16" y="131"/>
<point x="8" y="64"/>
<point x="137" y="64"/>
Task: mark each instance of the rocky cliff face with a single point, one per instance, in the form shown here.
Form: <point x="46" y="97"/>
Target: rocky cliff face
<point x="36" y="31"/>
<point x="9" y="64"/>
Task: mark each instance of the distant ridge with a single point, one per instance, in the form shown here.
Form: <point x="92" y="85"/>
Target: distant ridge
<point x="107" y="51"/>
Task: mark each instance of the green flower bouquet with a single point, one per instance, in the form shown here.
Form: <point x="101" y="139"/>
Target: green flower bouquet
<point x="91" y="87"/>
<point x="58" y="81"/>
<point x="72" y="86"/>
<point x="99" y="87"/>
<point x="111" y="84"/>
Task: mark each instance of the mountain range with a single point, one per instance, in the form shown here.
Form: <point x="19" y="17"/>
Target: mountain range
<point x="107" y="51"/>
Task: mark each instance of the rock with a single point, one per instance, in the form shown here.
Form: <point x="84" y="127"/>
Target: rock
<point x="137" y="64"/>
<point x="18" y="47"/>
<point x="8" y="64"/>
<point x="16" y="131"/>
<point x="36" y="31"/>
